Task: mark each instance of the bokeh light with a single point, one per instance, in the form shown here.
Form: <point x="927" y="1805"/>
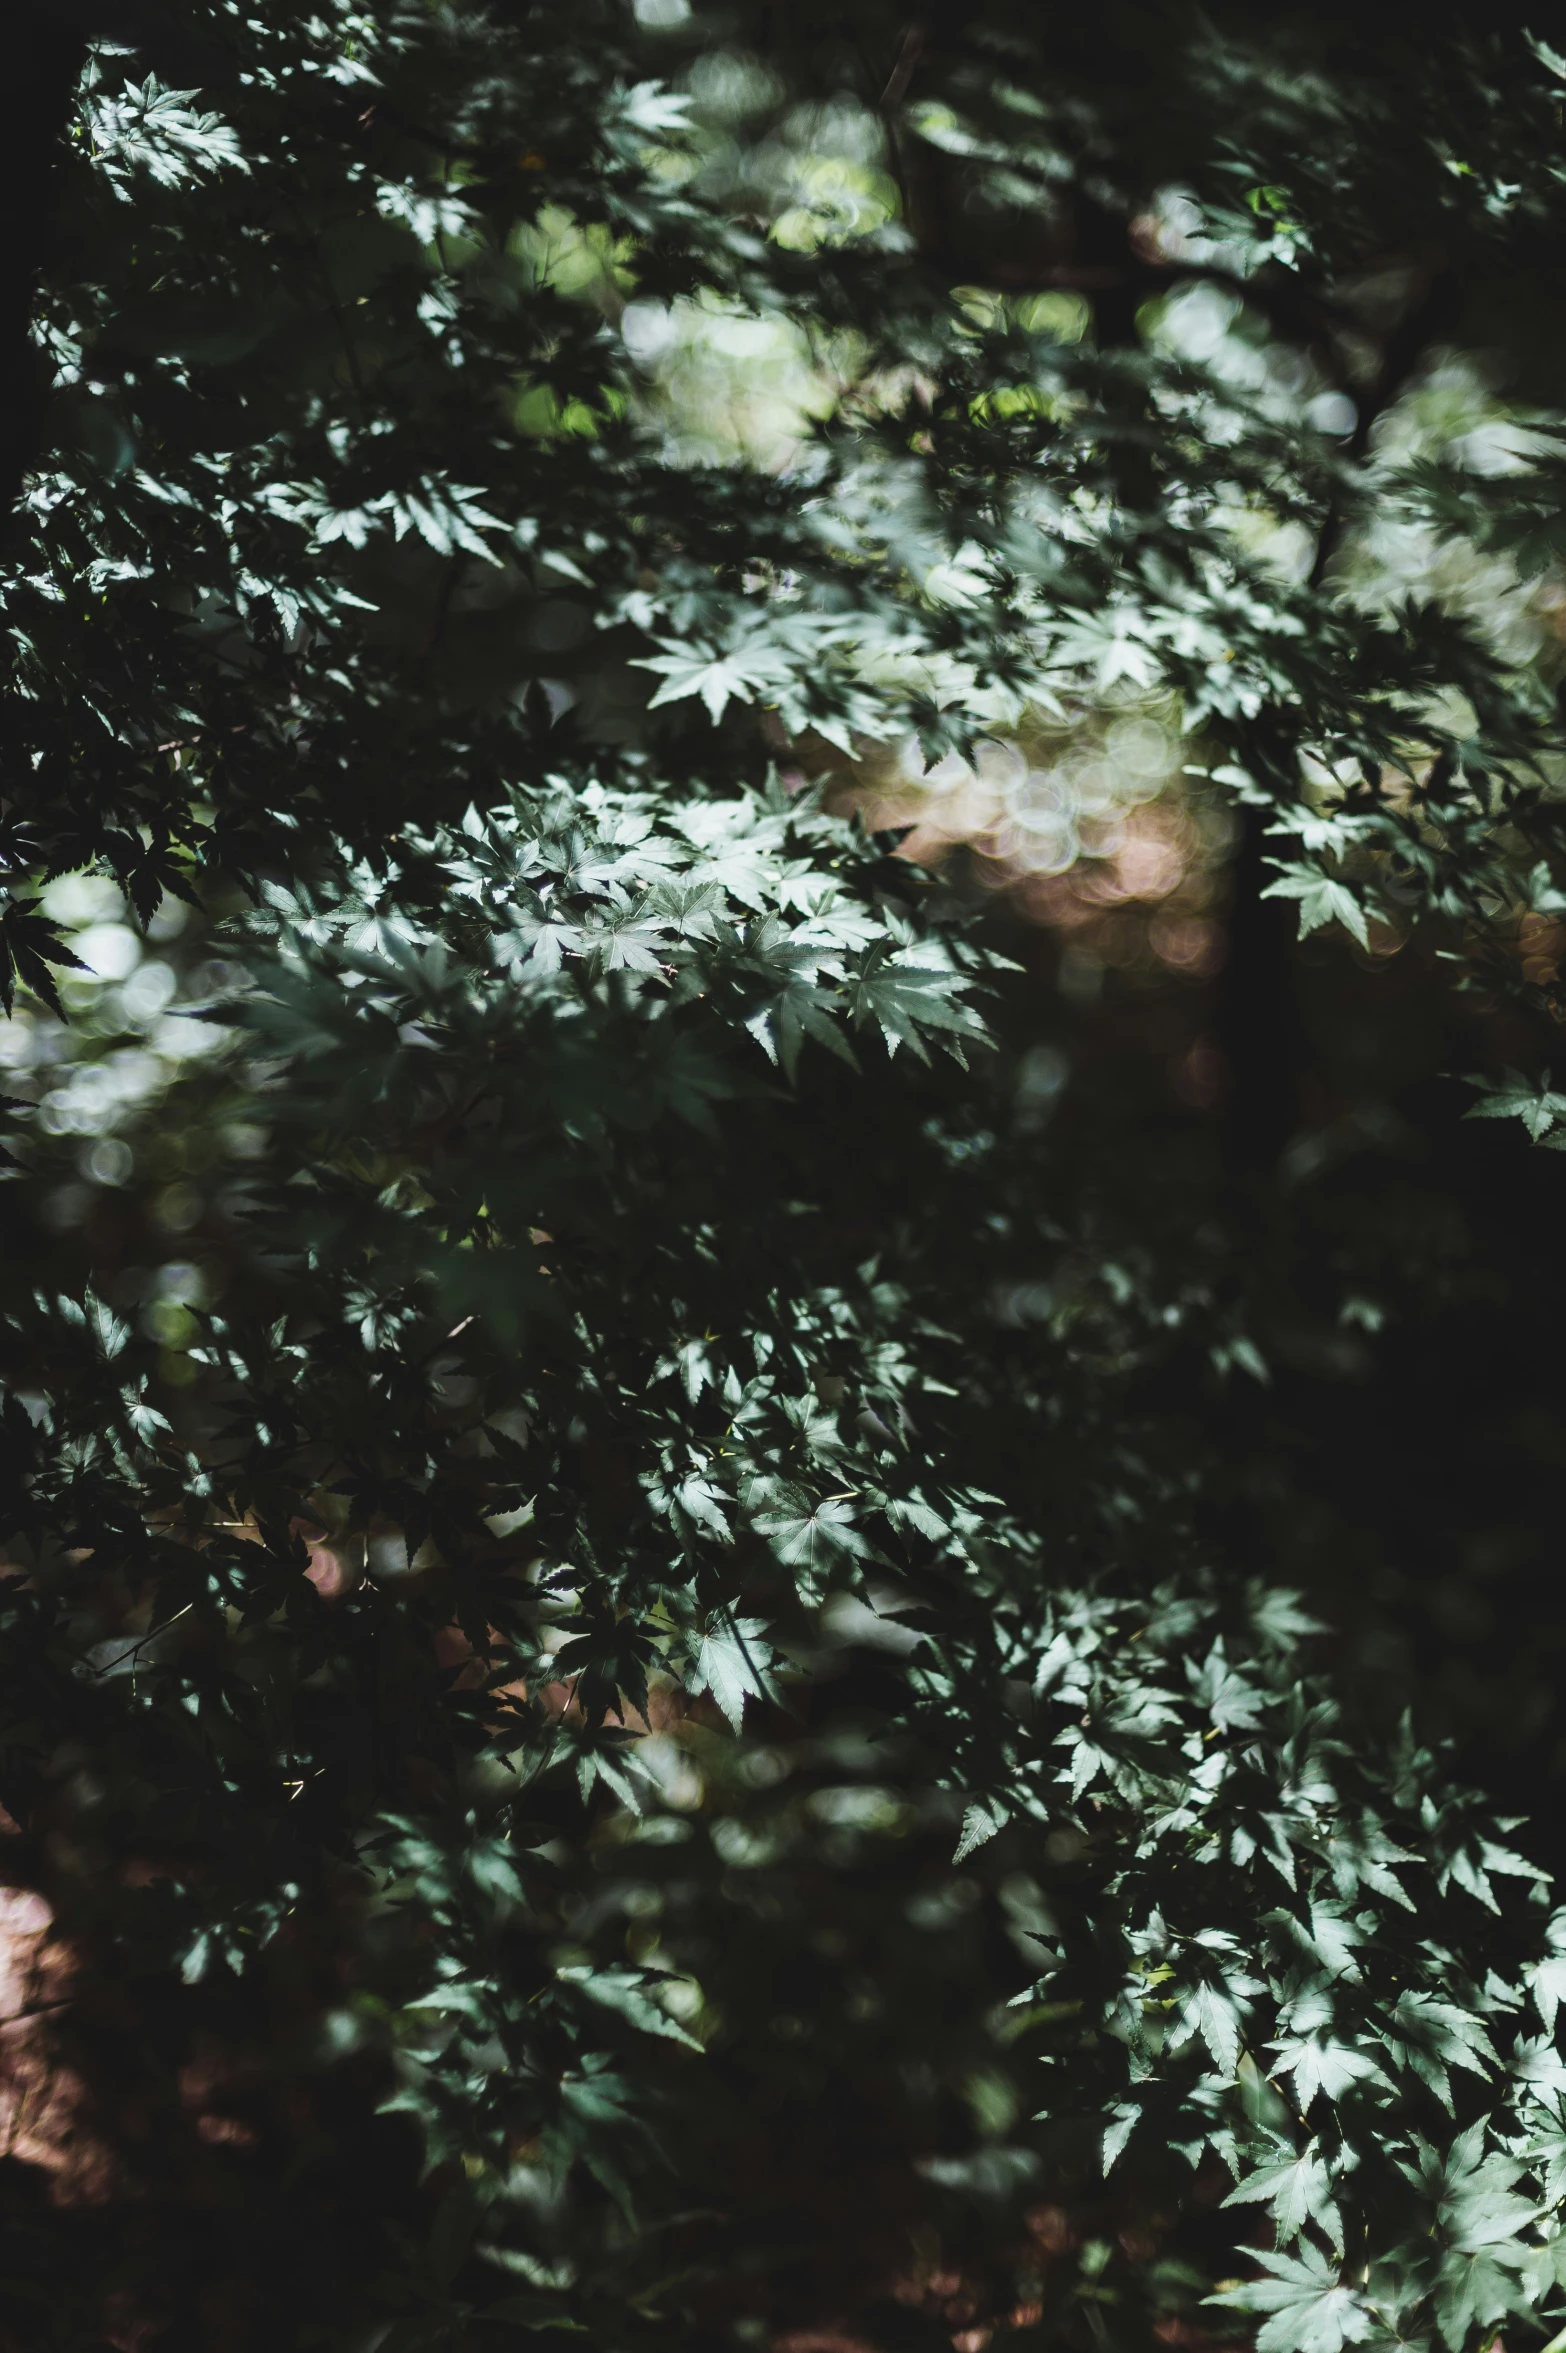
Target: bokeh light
<point x="1099" y="828"/>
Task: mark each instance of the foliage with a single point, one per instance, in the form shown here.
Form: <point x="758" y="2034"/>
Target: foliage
<point x="600" y="1675"/>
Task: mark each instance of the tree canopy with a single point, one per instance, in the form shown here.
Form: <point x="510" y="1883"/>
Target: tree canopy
<point x="773" y="792"/>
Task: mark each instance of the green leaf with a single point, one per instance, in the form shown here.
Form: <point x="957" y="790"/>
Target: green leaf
<point x="734" y="1662"/>
<point x="1312" y="2309"/>
<point x="1320" y="2065"/>
<point x="812" y="1536"/>
<point x="628" y="1992"/>
<point x="740" y="674"/>
<point x="1296" y="2189"/>
<point x="980" y="1823"/>
<point x="1321" y="901"/>
<point x="1539" y="1107"/>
